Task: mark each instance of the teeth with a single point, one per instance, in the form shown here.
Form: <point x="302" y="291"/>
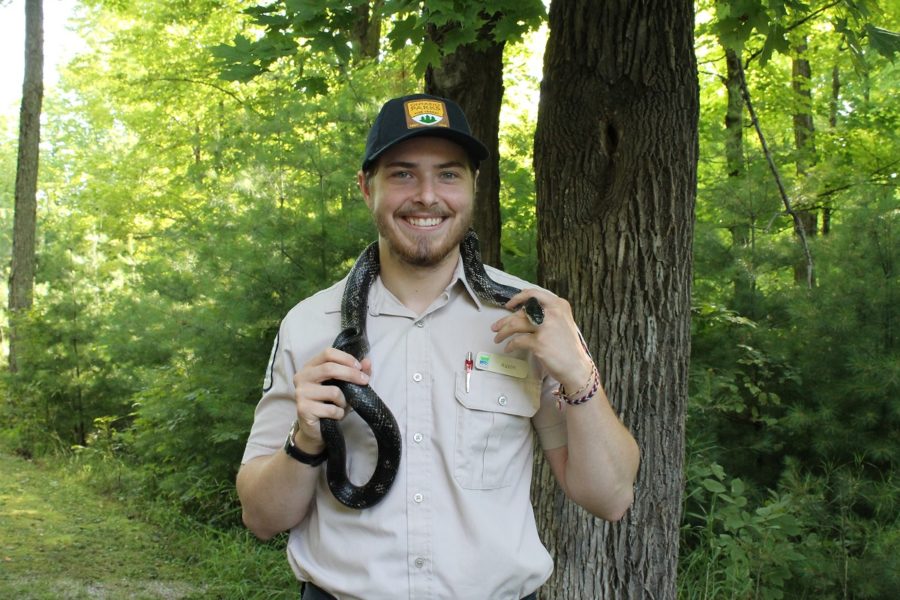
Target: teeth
<point x="426" y="222"/>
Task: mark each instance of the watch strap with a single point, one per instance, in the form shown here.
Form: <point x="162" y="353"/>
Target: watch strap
<point x="313" y="460"/>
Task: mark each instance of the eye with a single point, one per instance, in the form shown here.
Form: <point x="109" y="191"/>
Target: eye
<point x="401" y="175"/>
<point x="449" y="175"/>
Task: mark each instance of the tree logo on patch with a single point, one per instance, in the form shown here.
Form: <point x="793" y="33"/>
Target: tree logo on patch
<point x="426" y="113"/>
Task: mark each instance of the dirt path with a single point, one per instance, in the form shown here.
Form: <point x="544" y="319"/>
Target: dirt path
<point x="59" y="539"/>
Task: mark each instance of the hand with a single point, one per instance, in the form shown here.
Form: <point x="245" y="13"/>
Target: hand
<point x="556" y="342"/>
<point x="316" y="401"/>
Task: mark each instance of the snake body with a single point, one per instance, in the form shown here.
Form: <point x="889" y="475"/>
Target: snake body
<point x="363" y="399"/>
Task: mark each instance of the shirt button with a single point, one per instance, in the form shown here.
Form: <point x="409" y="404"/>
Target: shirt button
<point x="417" y="377"/>
<point x="501" y="400"/>
<point x="420" y="562"/>
<point x="418" y="497"/>
<point x="420" y="324"/>
<point x="418" y="438"/>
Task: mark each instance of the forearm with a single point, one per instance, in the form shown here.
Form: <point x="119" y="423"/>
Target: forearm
<point x="276" y="492"/>
<point x="602" y="461"/>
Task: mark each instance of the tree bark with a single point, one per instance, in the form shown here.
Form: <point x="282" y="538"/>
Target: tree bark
<point x="615" y="162"/>
<point x="472" y="76"/>
<point x="21" y="278"/>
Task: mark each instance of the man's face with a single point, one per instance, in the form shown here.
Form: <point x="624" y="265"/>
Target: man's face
<point x="421" y="197"/>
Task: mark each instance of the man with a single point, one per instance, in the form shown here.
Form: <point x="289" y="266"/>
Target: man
<point x="457" y="522"/>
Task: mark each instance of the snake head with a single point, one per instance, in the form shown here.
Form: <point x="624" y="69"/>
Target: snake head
<point x="352" y="341"/>
<point x="534" y="311"/>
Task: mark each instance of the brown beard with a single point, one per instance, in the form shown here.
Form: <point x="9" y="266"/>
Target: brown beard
<point x="424" y="255"/>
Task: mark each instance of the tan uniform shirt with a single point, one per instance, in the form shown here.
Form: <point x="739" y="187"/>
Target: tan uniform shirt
<point x="458" y="521"/>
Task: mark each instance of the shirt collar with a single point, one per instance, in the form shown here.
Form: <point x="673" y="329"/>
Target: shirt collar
<point x="383" y="302"/>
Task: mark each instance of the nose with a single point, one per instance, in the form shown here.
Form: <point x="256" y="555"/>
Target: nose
<point x="427" y="194"/>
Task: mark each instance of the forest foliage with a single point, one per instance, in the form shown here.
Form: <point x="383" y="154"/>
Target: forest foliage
<point x="183" y="210"/>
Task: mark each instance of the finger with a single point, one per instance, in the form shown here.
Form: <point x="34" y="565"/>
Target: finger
<point x="511" y="325"/>
<point x="366" y="366"/>
<point x="315" y="373"/>
<point x="543" y="296"/>
<point x="311" y="410"/>
<point x="333" y="355"/>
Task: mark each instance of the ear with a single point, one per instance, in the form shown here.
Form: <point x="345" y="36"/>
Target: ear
<point x="364" y="188"/>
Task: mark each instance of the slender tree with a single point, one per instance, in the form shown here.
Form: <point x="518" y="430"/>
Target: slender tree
<point x="804" y="138"/>
<point x="21" y="278"/>
<point x="741" y="229"/>
<point x="615" y="163"/>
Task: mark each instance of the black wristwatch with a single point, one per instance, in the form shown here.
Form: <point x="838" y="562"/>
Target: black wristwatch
<point x="313" y="460"/>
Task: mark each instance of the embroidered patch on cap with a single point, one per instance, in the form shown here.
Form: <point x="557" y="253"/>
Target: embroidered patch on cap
<point x="426" y="113"/>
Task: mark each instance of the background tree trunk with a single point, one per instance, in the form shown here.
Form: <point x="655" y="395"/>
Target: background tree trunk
<point x="472" y="76"/>
<point x="615" y="162"/>
<point x="366" y="33"/>
<point x="804" y="143"/>
<point x="21" y="277"/>
<point x="741" y="230"/>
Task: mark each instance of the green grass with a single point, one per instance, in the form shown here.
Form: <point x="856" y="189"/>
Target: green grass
<point x="60" y="538"/>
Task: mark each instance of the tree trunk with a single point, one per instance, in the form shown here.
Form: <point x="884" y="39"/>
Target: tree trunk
<point x="832" y="123"/>
<point x="615" y="163"/>
<point x="804" y="142"/>
<point x="366" y="33"/>
<point x="734" y="115"/>
<point x="21" y="277"/>
<point x="473" y="78"/>
<point x="741" y="230"/>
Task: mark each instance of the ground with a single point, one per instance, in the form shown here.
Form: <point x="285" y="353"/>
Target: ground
<point x="61" y="539"/>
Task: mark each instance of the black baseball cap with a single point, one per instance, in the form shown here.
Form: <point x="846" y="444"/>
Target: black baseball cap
<point x="417" y="115"/>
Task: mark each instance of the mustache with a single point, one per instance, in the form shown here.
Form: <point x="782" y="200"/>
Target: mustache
<point x="437" y="213"/>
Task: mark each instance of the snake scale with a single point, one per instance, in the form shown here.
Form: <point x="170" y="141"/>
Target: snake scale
<point x="363" y="399"/>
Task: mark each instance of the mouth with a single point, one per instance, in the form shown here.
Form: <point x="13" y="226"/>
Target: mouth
<point x="423" y="222"/>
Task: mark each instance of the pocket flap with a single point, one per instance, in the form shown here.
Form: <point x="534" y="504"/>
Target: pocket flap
<point x="499" y="393"/>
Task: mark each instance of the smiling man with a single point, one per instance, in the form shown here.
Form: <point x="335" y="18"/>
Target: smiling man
<point x="457" y="520"/>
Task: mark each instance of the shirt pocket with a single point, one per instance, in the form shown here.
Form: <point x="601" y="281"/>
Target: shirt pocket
<point x="493" y="429"/>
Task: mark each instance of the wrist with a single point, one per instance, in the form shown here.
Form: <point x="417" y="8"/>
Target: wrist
<point x="308" y="444"/>
<point x="575" y="378"/>
<point x="588" y="389"/>
<point x="301" y="449"/>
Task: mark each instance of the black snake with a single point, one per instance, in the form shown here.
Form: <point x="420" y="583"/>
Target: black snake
<point x="352" y="339"/>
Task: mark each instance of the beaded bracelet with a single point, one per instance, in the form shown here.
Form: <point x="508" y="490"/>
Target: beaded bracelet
<point x="579" y="397"/>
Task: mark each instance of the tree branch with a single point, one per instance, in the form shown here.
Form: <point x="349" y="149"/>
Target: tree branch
<point x="798" y="223"/>
<point x="797" y="24"/>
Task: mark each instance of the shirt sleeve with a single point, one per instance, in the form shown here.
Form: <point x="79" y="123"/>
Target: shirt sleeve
<point x="276" y="410"/>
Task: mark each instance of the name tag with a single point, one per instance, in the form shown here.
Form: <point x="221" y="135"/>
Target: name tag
<point x="502" y="364"/>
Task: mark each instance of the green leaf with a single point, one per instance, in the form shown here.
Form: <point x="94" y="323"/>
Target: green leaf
<point x="240" y="72"/>
<point x="713" y="486"/>
<point x="312" y="85"/>
<point x="305" y="9"/>
<point x="776" y="41"/>
<point x="886" y="43"/>
<point x="430" y="54"/>
<point x="404" y="31"/>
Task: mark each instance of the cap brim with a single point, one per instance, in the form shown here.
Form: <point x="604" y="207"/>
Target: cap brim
<point x="474" y="148"/>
